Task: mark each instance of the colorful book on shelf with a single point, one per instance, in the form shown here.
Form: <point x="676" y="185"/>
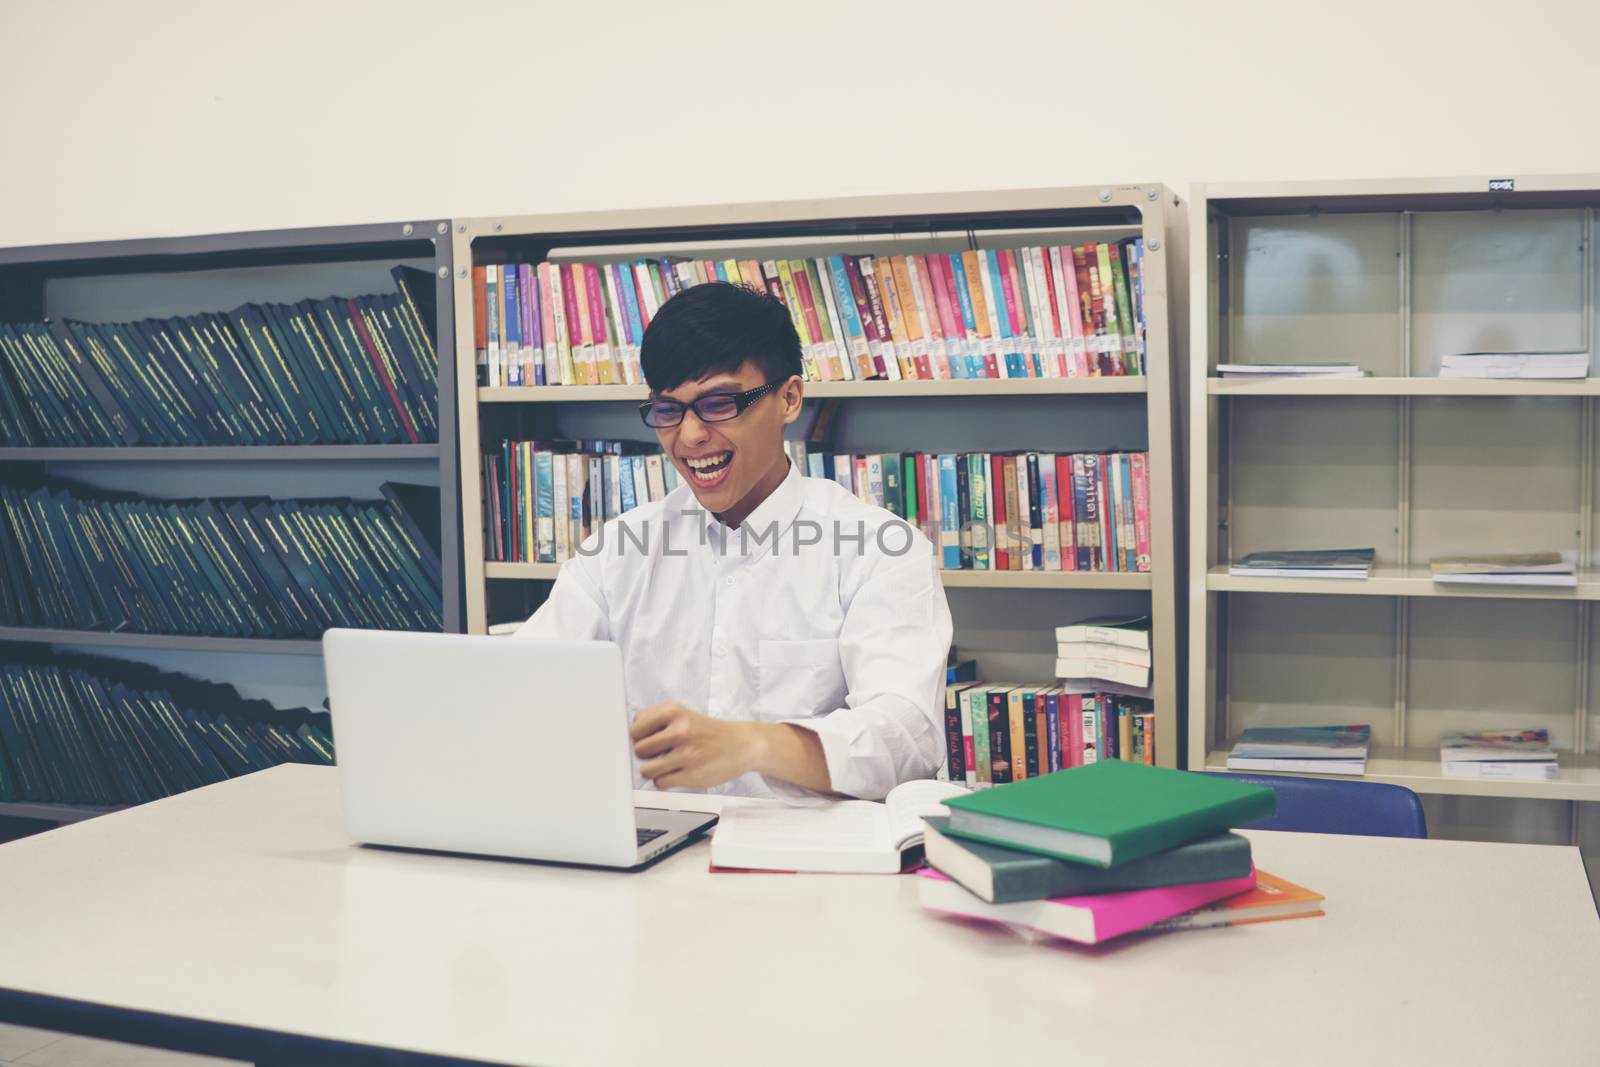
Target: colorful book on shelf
<point x="999" y="875"/>
<point x="840" y="837"/>
<point x="1273" y="898"/>
<point x="1523" y="754"/>
<point x="1289" y="370"/>
<point x="1558" y="569"/>
<point x="359" y="371"/>
<point x="963" y="501"/>
<point x="1089" y="919"/>
<point x="1305" y="563"/>
<point x="1060" y="727"/>
<point x="1302" y="749"/>
<point x="1108" y="812"/>
<point x="994" y="313"/>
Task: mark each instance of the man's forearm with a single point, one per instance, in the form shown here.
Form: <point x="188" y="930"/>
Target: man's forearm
<point x="793" y="754"/>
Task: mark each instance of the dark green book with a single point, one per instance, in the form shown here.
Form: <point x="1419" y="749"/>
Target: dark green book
<point x="1108" y="813"/>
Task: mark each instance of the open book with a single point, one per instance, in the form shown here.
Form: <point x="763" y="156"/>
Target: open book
<point x="843" y="837"/>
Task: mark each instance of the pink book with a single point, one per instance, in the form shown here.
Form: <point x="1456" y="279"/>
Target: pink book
<point x="1089" y="919"/>
<point x="1141" y="508"/>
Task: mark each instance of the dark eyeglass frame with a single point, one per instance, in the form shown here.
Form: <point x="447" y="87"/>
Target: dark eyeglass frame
<point x="741" y="401"/>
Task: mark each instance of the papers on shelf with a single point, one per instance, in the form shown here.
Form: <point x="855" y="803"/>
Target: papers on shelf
<point x="1305" y="749"/>
<point x="1307" y="563"/>
<point x="1551" y="363"/>
<point x="1523" y="754"/>
<point x="1296" y="370"/>
<point x="1557" y="569"/>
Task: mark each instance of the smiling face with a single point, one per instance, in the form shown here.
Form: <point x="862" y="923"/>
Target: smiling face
<point x="732" y="466"/>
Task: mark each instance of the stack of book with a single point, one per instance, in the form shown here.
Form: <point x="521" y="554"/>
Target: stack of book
<point x="1106" y="650"/>
<point x="334" y="371"/>
<point x="1097" y="852"/>
<point x="78" y="730"/>
<point x="1558" y="569"/>
<point x="1302" y="749"/>
<point x="86" y="559"/>
<point x="999" y="732"/>
<point x="1550" y="363"/>
<point x="1305" y="563"/>
<point x="1051" y="312"/>
<point x="1289" y="370"/>
<point x="1523" y="754"/>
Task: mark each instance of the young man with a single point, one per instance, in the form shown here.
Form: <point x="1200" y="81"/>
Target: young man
<point x="778" y="635"/>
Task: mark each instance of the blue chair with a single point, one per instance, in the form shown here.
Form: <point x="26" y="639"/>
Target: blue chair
<point x="1332" y="806"/>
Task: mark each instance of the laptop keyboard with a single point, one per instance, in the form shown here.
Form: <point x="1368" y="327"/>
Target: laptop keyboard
<point x="647" y="836"/>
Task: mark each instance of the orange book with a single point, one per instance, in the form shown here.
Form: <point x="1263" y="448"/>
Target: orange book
<point x="1273" y="898"/>
<point x="906" y="291"/>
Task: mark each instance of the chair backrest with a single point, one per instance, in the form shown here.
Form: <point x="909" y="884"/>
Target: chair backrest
<point x="1334" y="806"/>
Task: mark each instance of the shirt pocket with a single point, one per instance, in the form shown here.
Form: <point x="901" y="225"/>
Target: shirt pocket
<point x="798" y="679"/>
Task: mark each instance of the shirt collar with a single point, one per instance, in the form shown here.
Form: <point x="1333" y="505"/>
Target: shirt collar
<point x="778" y="509"/>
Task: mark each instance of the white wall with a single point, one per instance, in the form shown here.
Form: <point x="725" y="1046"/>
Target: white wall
<point x="183" y="116"/>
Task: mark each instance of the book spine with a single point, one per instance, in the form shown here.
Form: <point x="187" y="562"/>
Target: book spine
<point x="1052" y="725"/>
<point x="511" y="336"/>
<point x="969" y="754"/>
<point x="1000" y="736"/>
<point x="480" y="322"/>
<point x="980" y="735"/>
<point x="949" y="517"/>
<point x="955" y="751"/>
<point x="955" y="271"/>
<point x="496" y="307"/>
<point x="1000" y="514"/>
<point x="1017" y="726"/>
<point x="978" y="485"/>
<point x="1141" y="509"/>
<point x="885" y="357"/>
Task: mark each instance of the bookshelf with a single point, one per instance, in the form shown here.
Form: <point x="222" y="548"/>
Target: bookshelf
<point x="1004" y="620"/>
<point x="1393" y="275"/>
<point x="136" y="279"/>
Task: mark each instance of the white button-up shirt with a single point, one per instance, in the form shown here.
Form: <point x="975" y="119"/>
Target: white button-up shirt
<point x="819" y="610"/>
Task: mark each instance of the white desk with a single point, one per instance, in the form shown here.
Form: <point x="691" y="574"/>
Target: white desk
<point x="242" y="906"/>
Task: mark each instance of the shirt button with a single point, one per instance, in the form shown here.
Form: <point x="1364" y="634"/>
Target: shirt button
<point x="719" y="649"/>
<point x="729" y="581"/>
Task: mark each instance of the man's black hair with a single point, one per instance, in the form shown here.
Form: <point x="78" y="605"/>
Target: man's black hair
<point x="712" y="329"/>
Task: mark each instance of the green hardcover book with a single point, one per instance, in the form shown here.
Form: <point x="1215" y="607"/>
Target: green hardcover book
<point x="1108" y="812"/>
<point x="266" y="365"/>
<point x="321" y="384"/>
<point x="62" y="703"/>
<point x="222" y="348"/>
<point x="908" y="480"/>
<point x="131" y="347"/>
<point x="977" y="480"/>
<point x="334" y="324"/>
<point x="21" y="746"/>
<point x="1003" y="875"/>
<point x="115" y="750"/>
<point x="305" y="615"/>
<point x="893" y="495"/>
<point x="422" y="389"/>
<point x="977" y="699"/>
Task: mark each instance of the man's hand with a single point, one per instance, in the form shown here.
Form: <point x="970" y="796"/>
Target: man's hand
<point x="680" y="747"/>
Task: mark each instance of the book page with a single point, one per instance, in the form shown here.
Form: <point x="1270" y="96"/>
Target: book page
<point x="842" y="826"/>
<point x="908" y="802"/>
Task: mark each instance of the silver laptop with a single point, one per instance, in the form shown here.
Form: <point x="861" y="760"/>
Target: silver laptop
<point x="491" y="746"/>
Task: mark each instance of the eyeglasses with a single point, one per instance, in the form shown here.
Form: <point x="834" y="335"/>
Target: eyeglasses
<point x="713" y="407"/>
